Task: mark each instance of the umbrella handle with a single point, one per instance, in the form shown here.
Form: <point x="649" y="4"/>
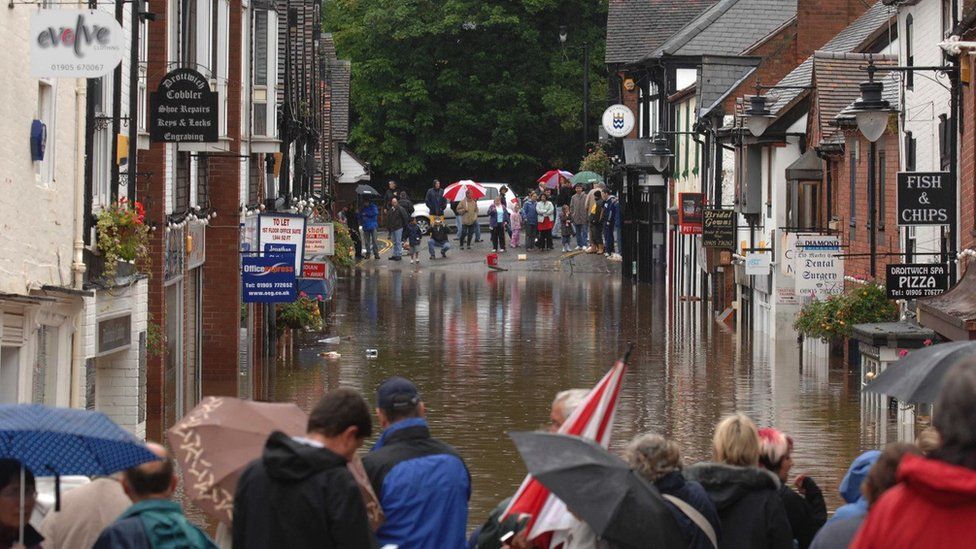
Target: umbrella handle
<point x="630" y="349"/>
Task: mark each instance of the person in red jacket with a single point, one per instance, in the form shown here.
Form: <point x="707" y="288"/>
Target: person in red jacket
<point x="935" y="503"/>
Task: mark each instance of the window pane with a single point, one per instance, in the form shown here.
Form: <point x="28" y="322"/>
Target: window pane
<point x="260" y="119"/>
<point x="203" y="180"/>
<point x="182" y="182"/>
<point x="260" y="48"/>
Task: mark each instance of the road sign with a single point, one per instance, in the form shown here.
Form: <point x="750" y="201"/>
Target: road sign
<point x="926" y="198"/>
<point x="267" y="279"/>
<point x="915" y="280"/>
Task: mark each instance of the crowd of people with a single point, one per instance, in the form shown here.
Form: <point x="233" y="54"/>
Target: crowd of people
<point x="581" y="219"/>
<point x="411" y="491"/>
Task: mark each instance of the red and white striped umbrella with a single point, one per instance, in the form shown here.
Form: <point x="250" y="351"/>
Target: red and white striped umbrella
<point x="592" y="419"/>
<point x="553" y="178"/>
<point x="457" y="191"/>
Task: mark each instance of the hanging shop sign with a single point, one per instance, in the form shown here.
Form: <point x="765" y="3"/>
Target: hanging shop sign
<point x="283" y="235"/>
<point x="618" y="120"/>
<point x="757" y="263"/>
<point x="819" y="271"/>
<point x="316" y="269"/>
<point x="718" y="228"/>
<point x="319" y="239"/>
<point x="267" y="279"/>
<point x="915" y="280"/>
<point x="183" y="109"/>
<point x="926" y="198"/>
<point x="690" y="209"/>
<point x="74" y="44"/>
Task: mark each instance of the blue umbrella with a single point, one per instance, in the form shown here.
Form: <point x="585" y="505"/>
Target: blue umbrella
<point x="67" y="441"/>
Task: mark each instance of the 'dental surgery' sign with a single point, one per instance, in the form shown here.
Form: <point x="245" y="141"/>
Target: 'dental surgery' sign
<point x="926" y="198"/>
<point x="74" y="44"/>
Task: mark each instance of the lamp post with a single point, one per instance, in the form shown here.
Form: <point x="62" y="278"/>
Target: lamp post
<point x="758" y="117"/>
<point x="563" y="35"/>
<point x="871" y="112"/>
<point x="659" y="156"/>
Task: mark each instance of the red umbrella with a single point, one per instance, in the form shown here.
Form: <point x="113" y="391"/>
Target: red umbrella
<point x="553" y="178"/>
<point x="457" y="191"/>
<point x="592" y="419"/>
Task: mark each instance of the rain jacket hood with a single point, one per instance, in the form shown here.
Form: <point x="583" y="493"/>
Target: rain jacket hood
<point x="850" y="487"/>
<point x="287" y="460"/>
<point x="941" y="484"/>
<point x="727" y="484"/>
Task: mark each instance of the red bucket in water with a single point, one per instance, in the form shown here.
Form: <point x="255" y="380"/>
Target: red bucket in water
<point x="492" y="260"/>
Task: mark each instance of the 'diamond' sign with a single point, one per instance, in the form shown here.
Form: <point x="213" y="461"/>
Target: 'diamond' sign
<point x="926" y="198"/>
<point x="74" y="44"/>
<point x="183" y="109"/>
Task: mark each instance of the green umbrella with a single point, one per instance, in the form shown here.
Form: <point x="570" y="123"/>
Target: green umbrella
<point x="587" y="178"/>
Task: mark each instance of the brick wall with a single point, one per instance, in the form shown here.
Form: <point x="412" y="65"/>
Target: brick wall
<point x="856" y="238"/>
<point x="779" y="57"/>
<point x="632" y="100"/>
<point x="967" y="157"/>
<point x="153" y="191"/>
<point x="221" y="272"/>
<point x="820" y="20"/>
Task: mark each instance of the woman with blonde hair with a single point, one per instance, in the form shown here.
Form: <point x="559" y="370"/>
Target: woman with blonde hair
<point x="746" y="497"/>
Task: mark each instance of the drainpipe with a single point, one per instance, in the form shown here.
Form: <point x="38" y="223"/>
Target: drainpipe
<point x="77" y="381"/>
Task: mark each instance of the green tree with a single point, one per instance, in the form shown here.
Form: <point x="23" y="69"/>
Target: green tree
<point x="469" y="88"/>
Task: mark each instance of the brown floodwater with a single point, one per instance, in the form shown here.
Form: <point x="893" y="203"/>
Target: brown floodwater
<point x="489" y="352"/>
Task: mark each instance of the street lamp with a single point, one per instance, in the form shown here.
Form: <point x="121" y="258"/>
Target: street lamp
<point x="758" y="117"/>
<point x="871" y="112"/>
<point x="659" y="155"/>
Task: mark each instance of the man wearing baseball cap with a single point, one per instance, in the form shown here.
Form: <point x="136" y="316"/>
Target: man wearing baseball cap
<point x="422" y="483"/>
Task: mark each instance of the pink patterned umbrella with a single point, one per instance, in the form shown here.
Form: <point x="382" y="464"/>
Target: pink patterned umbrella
<point x="553" y="178"/>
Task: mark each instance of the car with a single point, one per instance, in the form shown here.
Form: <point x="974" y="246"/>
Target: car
<point x="422" y="214"/>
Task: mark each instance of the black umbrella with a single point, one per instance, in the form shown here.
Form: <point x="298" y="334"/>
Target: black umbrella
<point x="600" y="489"/>
<point x="917" y="377"/>
<point x="366" y="191"/>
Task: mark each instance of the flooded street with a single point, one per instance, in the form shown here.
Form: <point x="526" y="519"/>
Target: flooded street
<point x="489" y="352"/>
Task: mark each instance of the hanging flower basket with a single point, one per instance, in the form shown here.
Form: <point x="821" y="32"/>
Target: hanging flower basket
<point x="122" y="235"/>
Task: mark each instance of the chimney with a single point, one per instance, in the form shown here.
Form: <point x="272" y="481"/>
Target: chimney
<point x="820" y="20"/>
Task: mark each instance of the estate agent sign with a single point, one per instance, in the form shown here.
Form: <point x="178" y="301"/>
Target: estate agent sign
<point x="926" y="198"/>
<point x="283" y="235"/>
<point x="267" y="279"/>
<point x="183" y="109"/>
<point x="912" y="281"/>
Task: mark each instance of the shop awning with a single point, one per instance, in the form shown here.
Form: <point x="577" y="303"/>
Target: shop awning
<point x="808" y="167"/>
<point x="952" y="314"/>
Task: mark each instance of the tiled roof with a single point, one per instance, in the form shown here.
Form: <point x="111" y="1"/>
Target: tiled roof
<point x="718" y="76"/>
<point x="837" y="77"/>
<point x="848" y="40"/>
<point x="891" y="93"/>
<point x="729" y="27"/>
<point x="635" y="28"/>
<point x="339" y="77"/>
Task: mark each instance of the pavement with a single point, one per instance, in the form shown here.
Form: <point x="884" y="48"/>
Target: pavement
<point x="476" y="259"/>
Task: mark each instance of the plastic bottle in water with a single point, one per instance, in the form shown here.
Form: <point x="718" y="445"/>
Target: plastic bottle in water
<point x="372" y="353"/>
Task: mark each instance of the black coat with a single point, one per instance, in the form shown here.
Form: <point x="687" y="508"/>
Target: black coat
<point x="299" y="496"/>
<point x="749" y="504"/>
<point x="564" y="197"/>
<point x="807" y="514"/>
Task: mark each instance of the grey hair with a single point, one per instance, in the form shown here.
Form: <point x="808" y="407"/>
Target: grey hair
<point x="955" y="415"/>
<point x="568" y="400"/>
<point x="652" y="456"/>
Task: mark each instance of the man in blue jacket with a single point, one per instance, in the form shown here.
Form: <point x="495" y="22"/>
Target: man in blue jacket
<point x="422" y="483"/>
<point x="368" y="217"/>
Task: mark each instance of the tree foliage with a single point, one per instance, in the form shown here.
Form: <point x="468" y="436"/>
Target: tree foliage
<point x="469" y="88"/>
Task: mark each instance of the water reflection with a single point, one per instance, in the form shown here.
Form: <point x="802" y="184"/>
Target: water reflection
<point x="489" y="351"/>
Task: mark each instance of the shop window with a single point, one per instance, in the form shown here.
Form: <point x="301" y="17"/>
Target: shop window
<point x="182" y="183"/>
<point x="9" y="374"/>
<point x="803" y="202"/>
<point x="909" y="51"/>
<point x="203" y="180"/>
